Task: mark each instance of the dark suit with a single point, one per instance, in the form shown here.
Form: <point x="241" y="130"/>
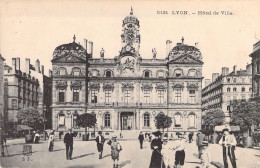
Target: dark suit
<point x="141" y="140"/>
<point x="68" y="140"/>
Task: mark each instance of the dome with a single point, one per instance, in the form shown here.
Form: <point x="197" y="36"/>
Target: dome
<point x="131" y="19"/>
<point x="182" y="49"/>
<point x="73" y="48"/>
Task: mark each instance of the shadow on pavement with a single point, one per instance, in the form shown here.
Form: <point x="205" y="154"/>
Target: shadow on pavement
<point x="217" y="164"/>
<point x="58" y="150"/>
<point x="77" y="157"/>
<point x="193" y="162"/>
<point x="124" y="163"/>
<point x="80" y="166"/>
<point x="257" y="155"/>
<point x="18" y="154"/>
<point x="106" y="155"/>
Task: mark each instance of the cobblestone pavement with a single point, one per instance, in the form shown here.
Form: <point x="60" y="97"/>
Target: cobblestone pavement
<point x="85" y="155"/>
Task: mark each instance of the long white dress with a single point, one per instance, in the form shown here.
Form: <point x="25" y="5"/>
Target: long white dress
<point x="168" y="155"/>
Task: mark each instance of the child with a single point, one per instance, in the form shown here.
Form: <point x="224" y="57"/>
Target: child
<point x="167" y="153"/>
<point x="179" y="146"/>
<point x="205" y="156"/>
<point x="115" y="149"/>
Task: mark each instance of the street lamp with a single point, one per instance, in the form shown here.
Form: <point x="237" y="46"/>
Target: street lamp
<point x="44" y="109"/>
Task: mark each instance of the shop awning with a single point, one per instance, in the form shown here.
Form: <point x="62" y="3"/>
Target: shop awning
<point x="23" y="127"/>
<point x="232" y="128"/>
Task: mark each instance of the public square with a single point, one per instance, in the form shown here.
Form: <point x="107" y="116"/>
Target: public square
<point x="85" y="155"/>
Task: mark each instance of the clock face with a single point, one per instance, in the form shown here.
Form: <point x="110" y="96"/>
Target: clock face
<point x="128" y="48"/>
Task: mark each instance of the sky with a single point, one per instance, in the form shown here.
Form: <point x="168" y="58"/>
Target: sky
<point x="33" y="29"/>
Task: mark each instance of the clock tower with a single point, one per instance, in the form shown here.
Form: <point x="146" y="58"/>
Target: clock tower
<point x="130" y="38"/>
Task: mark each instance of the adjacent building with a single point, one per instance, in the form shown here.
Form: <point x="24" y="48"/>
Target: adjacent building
<point x="26" y="88"/>
<point x="1" y="90"/>
<point x="255" y="55"/>
<point x="227" y="87"/>
<point x="126" y="92"/>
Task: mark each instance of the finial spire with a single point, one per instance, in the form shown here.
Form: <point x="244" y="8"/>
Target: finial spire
<point x="182" y="40"/>
<point x="74" y="38"/>
<point x="131" y="12"/>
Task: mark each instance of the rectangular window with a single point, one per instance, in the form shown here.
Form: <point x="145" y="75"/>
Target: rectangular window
<point x="243" y="80"/>
<point x="177" y="95"/>
<point x="61" y="95"/>
<point x="93" y="96"/>
<point x="108" y="96"/>
<point x="61" y="120"/>
<point x="192" y="121"/>
<point x="161" y="96"/>
<point x="146" y="96"/>
<point x="192" y="96"/>
<point x="177" y="120"/>
<point x="235" y="80"/>
<point x="75" y="95"/>
<point x="14" y="104"/>
<point x="127" y="94"/>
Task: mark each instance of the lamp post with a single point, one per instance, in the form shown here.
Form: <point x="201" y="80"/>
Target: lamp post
<point x="44" y="110"/>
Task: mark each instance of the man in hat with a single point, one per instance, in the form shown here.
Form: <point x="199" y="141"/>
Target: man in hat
<point x="228" y="143"/>
<point x="200" y="138"/>
<point x="205" y="155"/>
<point x="100" y="143"/>
<point x="141" y="139"/>
<point x="68" y="140"/>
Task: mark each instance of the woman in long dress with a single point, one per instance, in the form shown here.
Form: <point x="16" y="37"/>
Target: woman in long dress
<point x="51" y="140"/>
<point x="156" y="146"/>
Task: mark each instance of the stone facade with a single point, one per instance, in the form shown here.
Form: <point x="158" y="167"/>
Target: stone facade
<point x="127" y="92"/>
<point x="256" y="71"/>
<point x="1" y="90"/>
<point x="30" y="88"/>
<point x="226" y="88"/>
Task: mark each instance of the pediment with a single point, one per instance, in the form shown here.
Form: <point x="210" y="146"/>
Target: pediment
<point x="186" y="59"/>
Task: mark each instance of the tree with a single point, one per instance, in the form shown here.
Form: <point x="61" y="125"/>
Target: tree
<point x="86" y="120"/>
<point x="162" y="121"/>
<point x="214" y="117"/>
<point x="30" y="116"/>
<point x="245" y="114"/>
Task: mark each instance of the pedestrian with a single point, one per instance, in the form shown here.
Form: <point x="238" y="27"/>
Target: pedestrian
<point x="167" y="154"/>
<point x="190" y="137"/>
<point x="51" y="140"/>
<point x="141" y="139"/>
<point x="200" y="138"/>
<point x="3" y="143"/>
<point x="115" y="149"/>
<point x="205" y="156"/>
<point x="228" y="143"/>
<point x="68" y="140"/>
<point x="100" y="143"/>
<point x="179" y="146"/>
<point x="156" y="146"/>
<point x="60" y="133"/>
<point x="36" y="137"/>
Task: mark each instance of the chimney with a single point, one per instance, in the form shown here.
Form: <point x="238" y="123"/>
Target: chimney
<point x="50" y="73"/>
<point x="224" y="71"/>
<point x="86" y="45"/>
<point x="235" y="69"/>
<point x="27" y="66"/>
<point x="42" y="70"/>
<point x="13" y="65"/>
<point x="214" y="76"/>
<point x="18" y="64"/>
<point x="37" y="66"/>
<point x="249" y="69"/>
<point x="207" y="82"/>
<point x="91" y="48"/>
<point x="168" y="47"/>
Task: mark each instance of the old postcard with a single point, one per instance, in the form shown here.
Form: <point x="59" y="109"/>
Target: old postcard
<point x="158" y="84"/>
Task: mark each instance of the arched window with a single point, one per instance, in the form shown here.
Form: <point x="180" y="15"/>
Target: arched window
<point x="177" y="119"/>
<point x="147" y="74"/>
<point x="243" y="89"/>
<point x="146" y="120"/>
<point x="108" y="74"/>
<point x="192" y="72"/>
<point x="234" y="89"/>
<point x="228" y="89"/>
<point x="75" y="116"/>
<point x="76" y="71"/>
<point x="192" y="121"/>
<point x="61" y="119"/>
<point x="107" y="120"/>
<point x="62" y="71"/>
